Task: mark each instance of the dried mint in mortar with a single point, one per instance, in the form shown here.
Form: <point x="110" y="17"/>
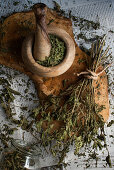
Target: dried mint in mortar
<point x="57" y="52"/>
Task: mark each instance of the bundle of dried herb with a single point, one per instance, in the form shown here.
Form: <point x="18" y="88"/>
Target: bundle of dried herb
<point x="75" y="109"/>
<point x="57" y="52"/>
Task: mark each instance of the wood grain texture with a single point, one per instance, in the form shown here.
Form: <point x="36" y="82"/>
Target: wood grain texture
<point x="13" y="31"/>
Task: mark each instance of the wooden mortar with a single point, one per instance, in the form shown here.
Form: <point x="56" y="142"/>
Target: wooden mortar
<point x="42" y="46"/>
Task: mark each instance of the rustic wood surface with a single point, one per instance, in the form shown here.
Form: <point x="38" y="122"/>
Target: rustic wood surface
<point x="12" y="33"/>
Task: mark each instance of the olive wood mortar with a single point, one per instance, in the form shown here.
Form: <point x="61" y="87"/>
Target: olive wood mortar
<point x="42" y="46"/>
<point x="16" y="27"/>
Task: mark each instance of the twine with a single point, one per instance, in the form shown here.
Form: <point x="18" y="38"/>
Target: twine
<point x="92" y="75"/>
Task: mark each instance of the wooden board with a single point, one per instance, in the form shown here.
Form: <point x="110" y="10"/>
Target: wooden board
<point x="13" y="31"/>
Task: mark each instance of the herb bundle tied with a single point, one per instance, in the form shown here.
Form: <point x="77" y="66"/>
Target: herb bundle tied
<point x="73" y="117"/>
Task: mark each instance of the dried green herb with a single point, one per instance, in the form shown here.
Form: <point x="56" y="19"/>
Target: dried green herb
<point x="108" y="160"/>
<point x="111" y="31"/>
<point x="24" y="108"/>
<point x="6" y="133"/>
<point x="64" y="82"/>
<point x="5" y="138"/>
<point x="25" y="6"/>
<point x="111" y="136"/>
<point x="6" y="97"/>
<point x="8" y="130"/>
<point x="81" y="60"/>
<point x="88" y="40"/>
<point x="57" y="52"/>
<point x="58" y="9"/>
<point x="13" y="160"/>
<point x="110" y="123"/>
<point x="93" y="155"/>
<point x="52" y="20"/>
<point x="15" y="3"/>
<point x="57" y="6"/>
<point x="85" y="24"/>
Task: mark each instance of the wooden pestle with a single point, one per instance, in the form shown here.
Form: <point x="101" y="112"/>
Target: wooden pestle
<point x="42" y="45"/>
